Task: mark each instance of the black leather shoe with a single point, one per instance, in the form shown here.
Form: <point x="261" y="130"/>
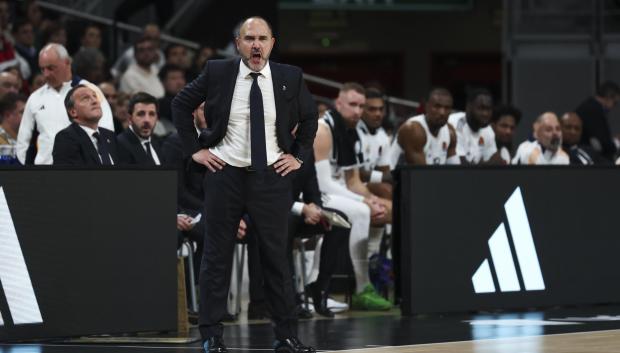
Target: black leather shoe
<point x="303" y="313"/>
<point x="215" y="345"/>
<point x="319" y="300"/>
<point x="292" y="345"/>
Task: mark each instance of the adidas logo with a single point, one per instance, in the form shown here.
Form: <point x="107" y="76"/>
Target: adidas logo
<point x="501" y="254"/>
<point x="14" y="276"/>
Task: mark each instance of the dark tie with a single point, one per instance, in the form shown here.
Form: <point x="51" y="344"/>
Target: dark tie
<point x="102" y="148"/>
<point x="257" y="126"/>
<point x="149" y="154"/>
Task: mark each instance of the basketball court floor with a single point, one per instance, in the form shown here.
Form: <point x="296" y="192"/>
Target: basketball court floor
<point x="590" y="329"/>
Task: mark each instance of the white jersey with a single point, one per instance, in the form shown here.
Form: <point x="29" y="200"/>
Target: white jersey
<point x="531" y="153"/>
<point x="435" y="148"/>
<point x="375" y="147"/>
<point x="475" y="147"/>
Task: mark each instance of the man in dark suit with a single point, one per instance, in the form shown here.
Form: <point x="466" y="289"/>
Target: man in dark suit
<point x="252" y="105"/>
<point x="84" y="142"/>
<point x="137" y="145"/>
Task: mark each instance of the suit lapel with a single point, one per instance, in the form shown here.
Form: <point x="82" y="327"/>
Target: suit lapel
<point x="278" y="90"/>
<point x="231" y="78"/>
<point x="137" y="148"/>
<point x="89" y="149"/>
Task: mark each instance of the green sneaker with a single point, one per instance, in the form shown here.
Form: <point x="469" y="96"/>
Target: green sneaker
<point x="369" y="299"/>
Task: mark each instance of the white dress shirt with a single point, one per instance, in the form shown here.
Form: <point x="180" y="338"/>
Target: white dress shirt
<point x="143" y="144"/>
<point x="136" y="79"/>
<point x="45" y="109"/>
<point x="90" y="132"/>
<point x="532" y="153"/>
<point x="235" y="147"/>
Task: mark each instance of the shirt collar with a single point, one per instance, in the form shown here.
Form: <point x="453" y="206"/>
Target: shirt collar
<point x="245" y="71"/>
<point x="88" y="130"/>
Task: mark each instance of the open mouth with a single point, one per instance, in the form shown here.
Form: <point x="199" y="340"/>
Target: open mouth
<point x="255" y="58"/>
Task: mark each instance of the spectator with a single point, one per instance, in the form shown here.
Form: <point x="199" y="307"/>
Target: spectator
<point x="204" y="53"/>
<point x="141" y="76"/>
<point x="45" y="110"/>
<point x="572" y="128"/>
<point x="91" y="37"/>
<point x="7" y="52"/>
<point x="11" y="110"/>
<point x="475" y="139"/>
<point x="504" y="122"/>
<point x="55" y="33"/>
<point x="176" y="54"/>
<point x="8" y="83"/>
<point x="337" y="160"/>
<point x="122" y="109"/>
<point x="89" y="63"/>
<point x="593" y="112"/>
<point x="84" y="142"/>
<point x="23" y="33"/>
<point x="136" y="145"/>
<point x="152" y="32"/>
<point x="109" y="92"/>
<point x="173" y="79"/>
<point x="547" y="148"/>
<point x="427" y="139"/>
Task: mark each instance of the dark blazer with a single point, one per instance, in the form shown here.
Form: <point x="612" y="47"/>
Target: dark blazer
<point x="73" y="146"/>
<point x="190" y="194"/>
<point x="130" y="149"/>
<point x="596" y="126"/>
<point x="216" y="84"/>
<point x="305" y="181"/>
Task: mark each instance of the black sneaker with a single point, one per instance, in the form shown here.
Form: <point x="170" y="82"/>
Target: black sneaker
<point x="292" y="345"/>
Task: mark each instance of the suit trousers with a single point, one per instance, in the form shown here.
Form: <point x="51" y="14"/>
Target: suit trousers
<point x="266" y="198"/>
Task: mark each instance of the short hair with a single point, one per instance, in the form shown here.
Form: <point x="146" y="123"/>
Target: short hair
<point x="168" y="68"/>
<point x="438" y="90"/>
<point x="474" y="93"/>
<point x="352" y="86"/>
<point x="85" y="60"/>
<point x="608" y="89"/>
<point x="69" y="101"/>
<point x="172" y="46"/>
<point x="373" y="93"/>
<point x="8" y="102"/>
<point x="59" y="49"/>
<point x="506" y="109"/>
<point x="144" y="98"/>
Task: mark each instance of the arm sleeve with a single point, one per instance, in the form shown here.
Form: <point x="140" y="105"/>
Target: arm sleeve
<point x="308" y="122"/>
<point x="328" y="185"/>
<point x="24" y="133"/>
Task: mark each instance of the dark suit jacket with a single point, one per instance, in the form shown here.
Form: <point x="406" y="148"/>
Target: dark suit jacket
<point x="190" y="194"/>
<point x="216" y="84"/>
<point x="595" y="125"/>
<point x="73" y="146"/>
<point x="305" y="181"/>
<point x="130" y="149"/>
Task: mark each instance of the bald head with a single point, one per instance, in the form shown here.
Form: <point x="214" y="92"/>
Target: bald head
<point x="252" y="21"/>
<point x="548" y="132"/>
<point x="255" y="42"/>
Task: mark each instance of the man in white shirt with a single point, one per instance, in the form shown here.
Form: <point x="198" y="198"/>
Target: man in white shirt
<point x="137" y="145"/>
<point x="475" y="139"/>
<point x="45" y="111"/>
<point x="504" y="122"/>
<point x="141" y="75"/>
<point x="547" y="148"/>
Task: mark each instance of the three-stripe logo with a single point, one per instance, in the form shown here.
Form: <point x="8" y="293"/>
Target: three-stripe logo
<point x="14" y="276"/>
<point x="501" y="254"/>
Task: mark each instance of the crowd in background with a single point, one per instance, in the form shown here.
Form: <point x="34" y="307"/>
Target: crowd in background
<point x="85" y="108"/>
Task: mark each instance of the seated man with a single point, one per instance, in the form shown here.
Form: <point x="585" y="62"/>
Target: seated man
<point x="137" y="145"/>
<point x="504" y="122"/>
<point x="547" y="148"/>
<point x="427" y="139"/>
<point x="11" y="110"/>
<point x="572" y="127"/>
<point x="84" y="142"/>
<point x="475" y="139"/>
<point x="338" y="156"/>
